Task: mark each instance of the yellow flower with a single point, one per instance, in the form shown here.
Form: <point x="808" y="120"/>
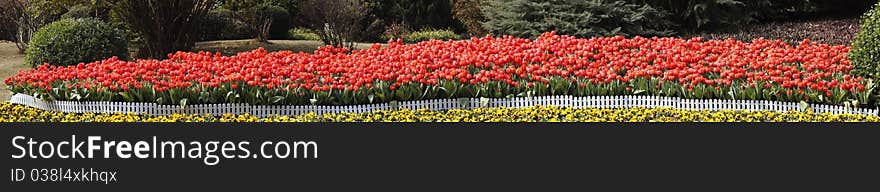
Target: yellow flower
<point x="18" y="113"/>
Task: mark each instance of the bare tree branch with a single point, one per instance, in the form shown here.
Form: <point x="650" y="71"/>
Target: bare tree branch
<point x="165" y="25"/>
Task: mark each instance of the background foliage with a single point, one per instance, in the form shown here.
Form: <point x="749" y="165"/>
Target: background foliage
<point x="268" y="21"/>
<point x="223" y="24"/>
<point x="73" y="41"/>
<point x="429" y="34"/>
<point x="337" y="22"/>
<point x="165" y="25"/>
<point x="582" y="18"/>
<point x="469" y="13"/>
<point x="865" y="53"/>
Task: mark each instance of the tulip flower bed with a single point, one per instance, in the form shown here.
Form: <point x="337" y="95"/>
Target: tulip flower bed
<point x="481" y="67"/>
<point x="19" y="113"/>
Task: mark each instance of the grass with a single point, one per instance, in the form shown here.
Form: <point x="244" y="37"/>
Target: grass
<point x="231" y="47"/>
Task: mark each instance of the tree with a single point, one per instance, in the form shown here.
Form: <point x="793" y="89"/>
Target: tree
<point x="268" y="21"/>
<point x="470" y="13"/>
<point x="418" y="14"/>
<point x="582" y="18"/>
<point x="336" y="21"/>
<point x="165" y="25"/>
<point x="20" y="21"/>
<point x="10" y="11"/>
<point x="695" y="15"/>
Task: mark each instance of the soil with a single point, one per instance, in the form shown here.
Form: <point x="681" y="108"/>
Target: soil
<point x="833" y="31"/>
<point x="10" y="63"/>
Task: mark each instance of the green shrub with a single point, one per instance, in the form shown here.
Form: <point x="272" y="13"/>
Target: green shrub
<point x="417" y="14"/>
<point x="696" y="15"/>
<point x="865" y="53"/>
<point x="221" y="24"/>
<point x="581" y="18"/>
<point x="303" y="34"/>
<point x="237" y="29"/>
<point x="73" y="41"/>
<point x="280" y="20"/>
<point x="428" y="34"/>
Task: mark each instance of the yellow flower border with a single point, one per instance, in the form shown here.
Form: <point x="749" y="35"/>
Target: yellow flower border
<point x="20" y="113"/>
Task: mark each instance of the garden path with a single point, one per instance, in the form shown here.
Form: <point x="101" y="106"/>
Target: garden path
<point x="10" y="63"/>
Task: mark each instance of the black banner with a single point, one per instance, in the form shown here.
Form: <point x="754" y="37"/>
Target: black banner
<point x="444" y="156"/>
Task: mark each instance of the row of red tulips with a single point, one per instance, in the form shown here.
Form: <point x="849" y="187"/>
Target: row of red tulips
<point x="481" y="67"/>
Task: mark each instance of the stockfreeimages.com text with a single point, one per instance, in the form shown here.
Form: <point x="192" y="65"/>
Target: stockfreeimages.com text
<point x="211" y="152"/>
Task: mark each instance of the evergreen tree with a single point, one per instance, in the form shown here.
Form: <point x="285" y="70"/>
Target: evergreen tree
<point x="582" y="18"/>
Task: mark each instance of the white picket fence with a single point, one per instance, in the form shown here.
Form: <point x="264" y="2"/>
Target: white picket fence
<point x="437" y="104"/>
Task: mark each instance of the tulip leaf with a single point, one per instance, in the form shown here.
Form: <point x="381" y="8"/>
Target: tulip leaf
<point x="277" y="99"/>
<point x="637" y="92"/>
<point x="125" y="96"/>
<point x="183" y="103"/>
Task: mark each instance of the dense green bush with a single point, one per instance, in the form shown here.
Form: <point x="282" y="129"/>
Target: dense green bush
<point x="72" y="41"/>
<point x="303" y="34"/>
<point x="221" y="24"/>
<point x="582" y="18"/>
<point x="417" y="14"/>
<point x="710" y="14"/>
<point x="278" y="17"/>
<point x="428" y="34"/>
<point x="865" y="53"/>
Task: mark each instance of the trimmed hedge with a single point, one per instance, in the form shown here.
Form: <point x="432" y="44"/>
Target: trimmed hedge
<point x="221" y="24"/>
<point x="74" y="41"/>
<point x="303" y="34"/>
<point x="429" y="34"/>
